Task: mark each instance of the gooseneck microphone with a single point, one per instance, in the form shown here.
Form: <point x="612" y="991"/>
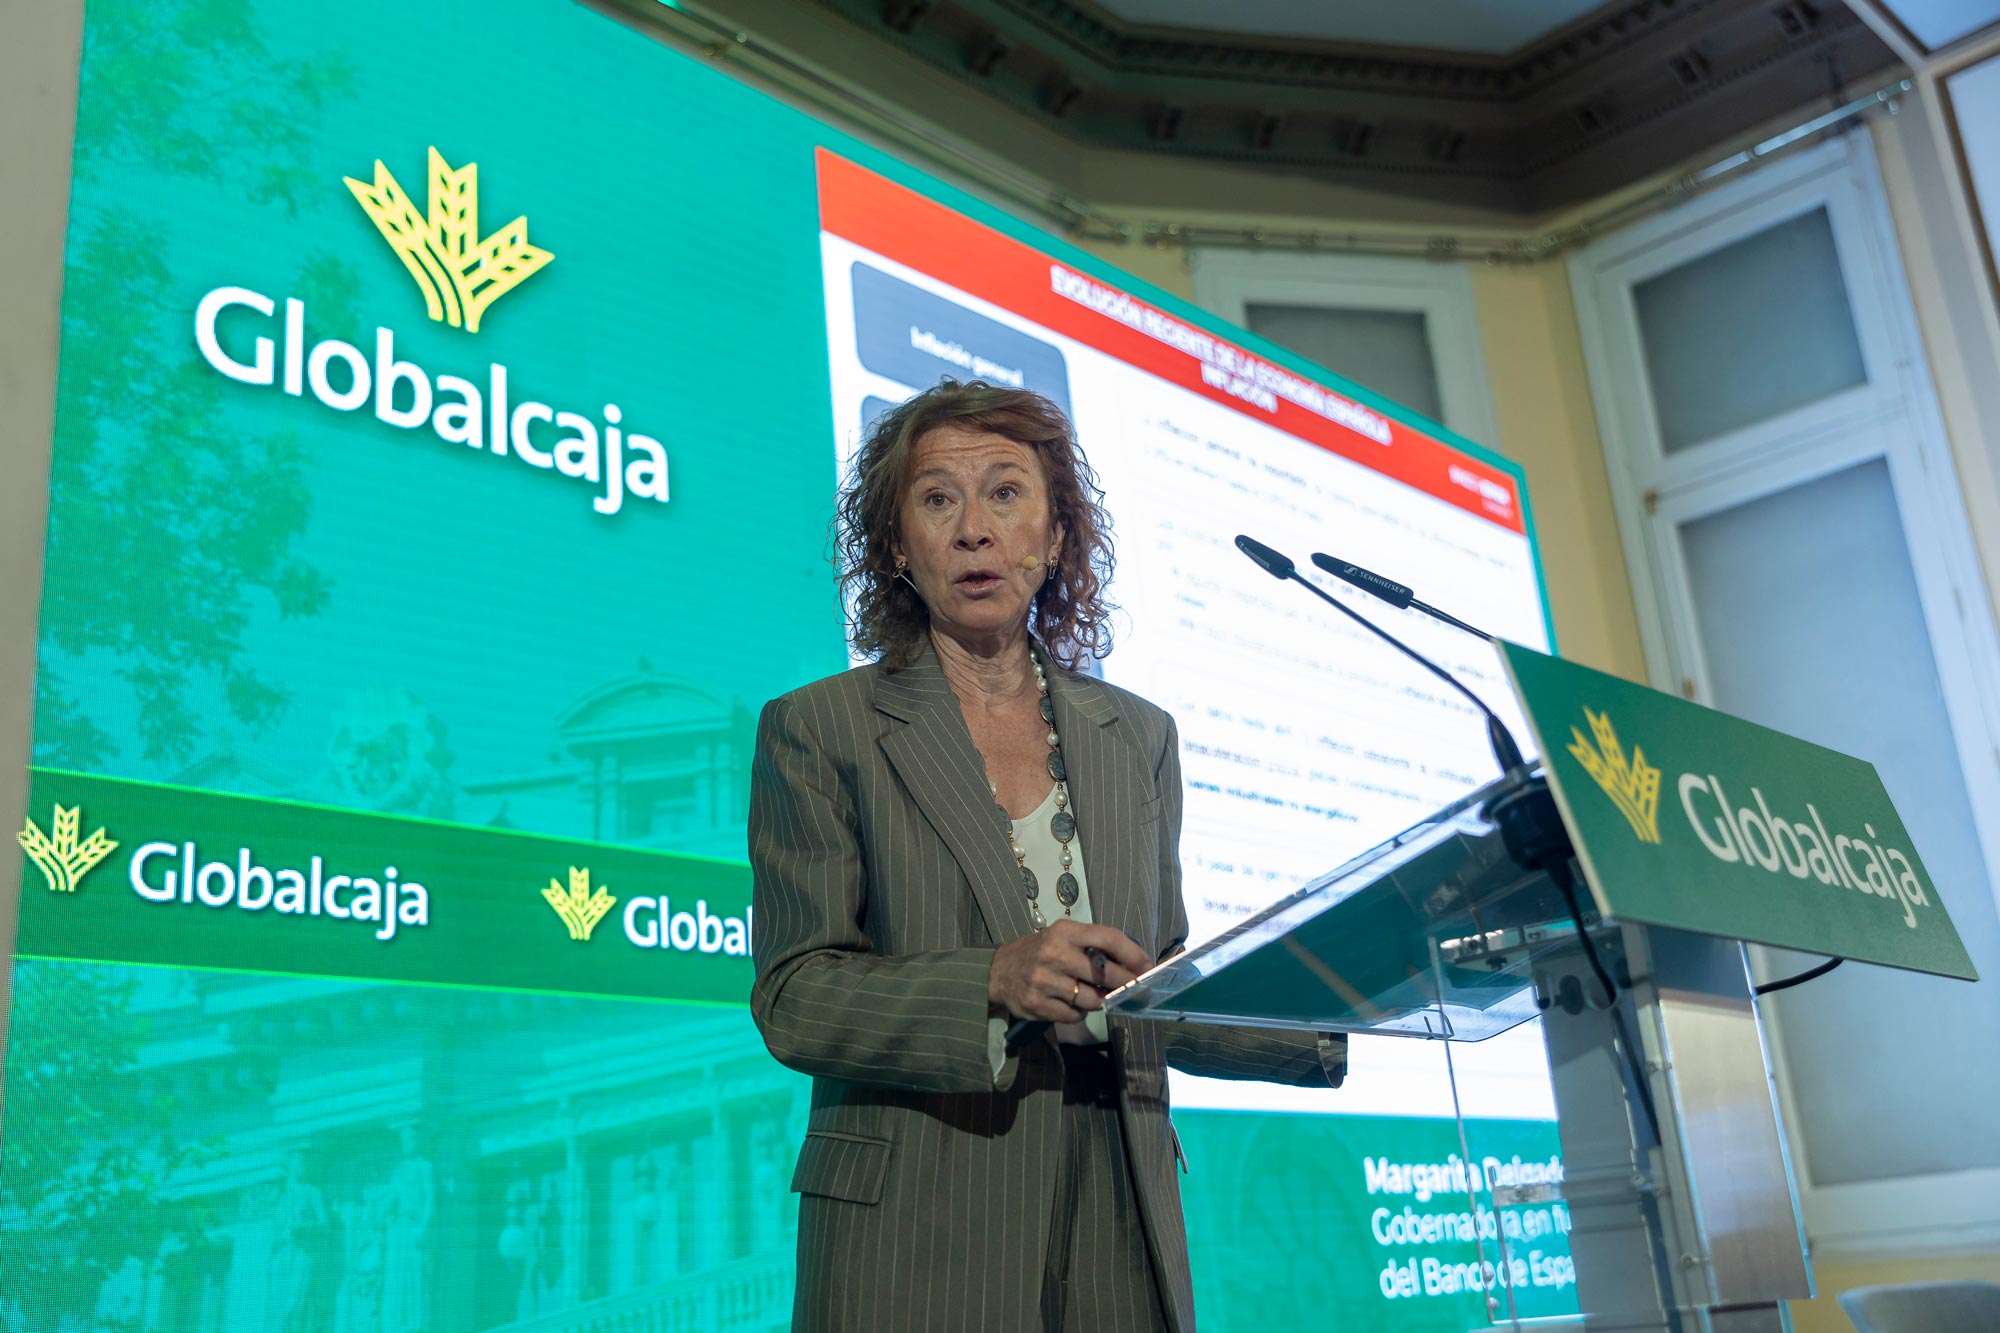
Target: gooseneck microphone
<point x="1530" y="825"/>
<point x="1506" y="752"/>
<point x="1394" y="593"/>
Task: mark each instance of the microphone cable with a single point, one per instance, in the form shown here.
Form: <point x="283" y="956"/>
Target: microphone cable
<point x="1799" y="978"/>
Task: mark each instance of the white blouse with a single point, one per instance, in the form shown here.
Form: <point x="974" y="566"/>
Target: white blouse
<point x="1045" y="859"/>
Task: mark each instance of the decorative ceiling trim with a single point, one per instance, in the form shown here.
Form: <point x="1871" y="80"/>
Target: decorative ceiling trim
<point x="1134" y="48"/>
<point x="1618" y="94"/>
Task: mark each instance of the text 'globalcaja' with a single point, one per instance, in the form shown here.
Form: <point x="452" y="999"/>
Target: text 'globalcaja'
<point x="1754" y="836"/>
<point x="407" y="396"/>
<point x="165" y="872"/>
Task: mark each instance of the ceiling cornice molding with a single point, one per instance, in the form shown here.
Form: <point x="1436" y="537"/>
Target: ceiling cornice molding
<point x="1123" y="47"/>
<point x="1620" y="93"/>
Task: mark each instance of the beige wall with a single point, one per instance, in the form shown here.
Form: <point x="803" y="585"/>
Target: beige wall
<point x="1541" y="400"/>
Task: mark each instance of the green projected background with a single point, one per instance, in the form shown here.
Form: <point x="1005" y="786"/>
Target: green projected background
<point x="389" y="973"/>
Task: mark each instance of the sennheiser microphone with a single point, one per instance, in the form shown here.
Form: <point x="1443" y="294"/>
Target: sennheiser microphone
<point x="1279" y="566"/>
<point x="1529" y="822"/>
<point x="1390" y="591"/>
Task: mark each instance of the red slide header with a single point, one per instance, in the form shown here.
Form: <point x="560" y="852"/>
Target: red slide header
<point x="900" y="224"/>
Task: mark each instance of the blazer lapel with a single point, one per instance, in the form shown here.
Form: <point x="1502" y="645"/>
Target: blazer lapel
<point x="1106" y="790"/>
<point x="934" y="756"/>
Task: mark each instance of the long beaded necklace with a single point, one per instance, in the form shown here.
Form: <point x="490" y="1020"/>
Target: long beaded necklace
<point x="1062" y="824"/>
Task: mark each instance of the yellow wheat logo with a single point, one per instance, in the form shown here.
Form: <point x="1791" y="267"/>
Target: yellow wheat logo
<point x="579" y="908"/>
<point x="1634" y="788"/>
<point x="459" y="273"/>
<point x="64" y="860"/>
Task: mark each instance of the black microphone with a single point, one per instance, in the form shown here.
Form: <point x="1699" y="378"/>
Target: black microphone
<point x="1277" y="566"/>
<point x="1390" y="591"/>
<point x="1530" y="825"/>
<point x="1506" y="751"/>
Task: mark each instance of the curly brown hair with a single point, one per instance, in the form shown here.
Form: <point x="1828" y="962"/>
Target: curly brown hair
<point x="886" y="618"/>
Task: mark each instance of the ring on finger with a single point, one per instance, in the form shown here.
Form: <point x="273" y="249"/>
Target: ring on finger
<point x="1075" y="990"/>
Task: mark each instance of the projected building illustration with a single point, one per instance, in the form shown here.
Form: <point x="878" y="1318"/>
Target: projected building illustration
<point x="647" y="760"/>
<point x="392" y="1159"/>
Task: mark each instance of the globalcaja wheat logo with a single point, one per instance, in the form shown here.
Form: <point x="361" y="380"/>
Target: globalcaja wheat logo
<point x="579" y="907"/>
<point x="459" y="272"/>
<point x="1634" y="786"/>
<point x="64" y="861"/>
<point x="244" y="334"/>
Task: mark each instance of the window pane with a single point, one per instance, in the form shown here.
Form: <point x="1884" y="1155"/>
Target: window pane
<point x="1388" y="351"/>
<point x="1744" y="333"/>
<point x="1938" y="23"/>
<point x="1810" y="623"/>
<point x="1975" y="103"/>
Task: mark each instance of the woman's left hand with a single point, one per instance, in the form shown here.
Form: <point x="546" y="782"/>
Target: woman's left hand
<point x="1058" y="974"/>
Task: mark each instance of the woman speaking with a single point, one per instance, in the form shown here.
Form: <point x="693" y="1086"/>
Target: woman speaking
<point x="965" y="833"/>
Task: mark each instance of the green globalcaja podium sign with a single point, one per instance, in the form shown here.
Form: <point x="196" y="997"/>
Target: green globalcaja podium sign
<point x="1687" y="817"/>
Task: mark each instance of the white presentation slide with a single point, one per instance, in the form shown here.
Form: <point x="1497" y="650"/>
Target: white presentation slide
<point x="1304" y="739"/>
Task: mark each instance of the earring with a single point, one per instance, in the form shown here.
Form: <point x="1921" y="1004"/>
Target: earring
<point x="903" y="572"/>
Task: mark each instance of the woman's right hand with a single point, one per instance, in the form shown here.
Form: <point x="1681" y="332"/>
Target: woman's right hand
<point x="1059" y="974"/>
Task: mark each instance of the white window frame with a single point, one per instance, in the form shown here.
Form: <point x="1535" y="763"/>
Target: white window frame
<point x="1228" y="282"/>
<point x="1894" y="416"/>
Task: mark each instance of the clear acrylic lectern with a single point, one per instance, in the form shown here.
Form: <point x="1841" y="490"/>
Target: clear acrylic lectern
<point x="1676" y="1186"/>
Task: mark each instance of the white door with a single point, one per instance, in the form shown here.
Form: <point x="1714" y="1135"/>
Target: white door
<point x="1800" y="557"/>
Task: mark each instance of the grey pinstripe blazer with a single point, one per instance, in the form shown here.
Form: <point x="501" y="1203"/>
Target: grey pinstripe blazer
<point x="883" y="884"/>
